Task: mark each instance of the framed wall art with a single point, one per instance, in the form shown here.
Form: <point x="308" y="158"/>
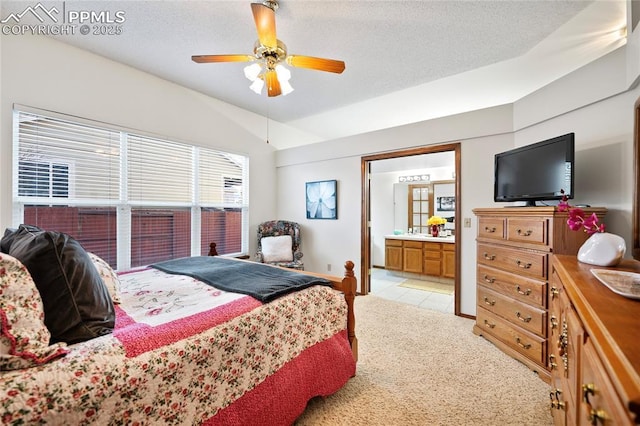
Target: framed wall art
<point x="446" y="204"/>
<point x="322" y="199"/>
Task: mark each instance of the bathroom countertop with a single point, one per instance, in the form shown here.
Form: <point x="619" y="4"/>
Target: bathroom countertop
<point x="422" y="237"/>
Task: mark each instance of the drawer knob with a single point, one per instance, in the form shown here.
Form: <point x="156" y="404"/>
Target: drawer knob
<point x="555" y="400"/>
<point x="488" y="256"/>
<point x="554" y="292"/>
<point x="521" y="318"/>
<point x="552" y="364"/>
<point x="489" y="230"/>
<point x="523" y="265"/>
<point x="488" y="324"/>
<point x="524" y="293"/>
<point x="597" y="417"/>
<point x="553" y="321"/>
<point x="489" y="302"/>
<point x="524" y="233"/>
<point x="588" y="389"/>
<point x="523" y="345"/>
<point x="488" y="279"/>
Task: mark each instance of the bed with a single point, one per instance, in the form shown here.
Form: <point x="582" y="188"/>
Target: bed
<point x="180" y="351"/>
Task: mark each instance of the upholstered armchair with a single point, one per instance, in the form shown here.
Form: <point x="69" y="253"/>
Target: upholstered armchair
<point x="279" y="244"/>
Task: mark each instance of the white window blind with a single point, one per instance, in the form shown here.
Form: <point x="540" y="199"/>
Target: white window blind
<point x="130" y="198"/>
<point x="91" y="154"/>
<point x="159" y="171"/>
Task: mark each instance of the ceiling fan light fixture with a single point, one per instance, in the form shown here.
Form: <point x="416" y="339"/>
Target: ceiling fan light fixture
<point x="285" y="87"/>
<point x="268" y="54"/>
<point x="252" y="71"/>
<point x="257" y="85"/>
<point x="284" y="75"/>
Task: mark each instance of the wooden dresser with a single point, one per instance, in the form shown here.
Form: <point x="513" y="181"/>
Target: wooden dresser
<point x="594" y="346"/>
<point x="514" y="245"/>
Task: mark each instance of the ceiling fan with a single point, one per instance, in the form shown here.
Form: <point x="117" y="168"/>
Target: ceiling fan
<point x="268" y="55"/>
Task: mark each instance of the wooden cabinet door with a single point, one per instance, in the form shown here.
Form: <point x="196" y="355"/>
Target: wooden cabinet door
<point x="557" y="396"/>
<point x="412" y="259"/>
<point x="570" y="355"/>
<point x="448" y="261"/>
<point x="599" y="403"/>
<point x="393" y="258"/>
<point x="558" y="402"/>
<point x="432" y="267"/>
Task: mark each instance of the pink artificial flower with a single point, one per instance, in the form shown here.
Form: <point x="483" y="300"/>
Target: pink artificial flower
<point x="563" y="205"/>
<point x="577" y="218"/>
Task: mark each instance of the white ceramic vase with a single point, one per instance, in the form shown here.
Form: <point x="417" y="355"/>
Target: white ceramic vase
<point x="602" y="249"/>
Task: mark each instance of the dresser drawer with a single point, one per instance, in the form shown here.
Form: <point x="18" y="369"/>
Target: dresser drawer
<point x="529" y="230"/>
<point x="529" y="263"/>
<point x="521" y="288"/>
<point x="491" y="227"/>
<point x="412" y="244"/>
<point x="526" y="316"/>
<point x="432" y="250"/>
<point x="526" y="343"/>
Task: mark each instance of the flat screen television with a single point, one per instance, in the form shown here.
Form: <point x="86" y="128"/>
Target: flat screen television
<point x="536" y="172"/>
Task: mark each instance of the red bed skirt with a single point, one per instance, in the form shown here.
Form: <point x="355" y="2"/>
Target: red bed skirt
<point x="318" y="371"/>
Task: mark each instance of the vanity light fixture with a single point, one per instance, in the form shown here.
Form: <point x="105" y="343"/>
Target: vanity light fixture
<point x="414" y="178"/>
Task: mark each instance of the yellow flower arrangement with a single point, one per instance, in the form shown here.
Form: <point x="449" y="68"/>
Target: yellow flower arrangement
<point x="436" y="220"/>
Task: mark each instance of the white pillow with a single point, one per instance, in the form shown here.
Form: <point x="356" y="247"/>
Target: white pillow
<point x="277" y="249"/>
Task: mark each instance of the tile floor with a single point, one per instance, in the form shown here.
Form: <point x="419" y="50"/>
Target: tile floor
<point x="386" y="285"/>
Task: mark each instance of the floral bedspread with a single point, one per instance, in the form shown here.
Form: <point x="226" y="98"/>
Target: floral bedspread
<point x="181" y="351"/>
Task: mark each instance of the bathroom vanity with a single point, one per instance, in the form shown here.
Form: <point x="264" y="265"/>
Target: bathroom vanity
<point x="420" y="254"/>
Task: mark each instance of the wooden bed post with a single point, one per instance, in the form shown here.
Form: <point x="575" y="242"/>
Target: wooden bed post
<point x="349" y="288"/>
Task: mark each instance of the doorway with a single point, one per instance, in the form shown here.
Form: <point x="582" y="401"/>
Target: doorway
<point x="366" y="231"/>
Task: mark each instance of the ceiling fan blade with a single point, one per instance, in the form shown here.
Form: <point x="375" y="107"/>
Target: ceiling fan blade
<point x="203" y="59"/>
<point x="265" y="19"/>
<point x="320" y="64"/>
<point x="273" y="85"/>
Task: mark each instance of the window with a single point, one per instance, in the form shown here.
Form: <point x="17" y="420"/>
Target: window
<point x="419" y="208"/>
<point x="43" y="179"/>
<point x="130" y="198"/>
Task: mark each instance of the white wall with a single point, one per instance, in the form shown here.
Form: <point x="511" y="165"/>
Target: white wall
<point x="324" y="242"/>
<point x="43" y="73"/>
<point x="604" y="155"/>
<point x="341" y="160"/>
<point x="593" y="102"/>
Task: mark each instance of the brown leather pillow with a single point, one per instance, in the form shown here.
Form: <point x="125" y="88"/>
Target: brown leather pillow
<point x="77" y="305"/>
<point x="7" y="239"/>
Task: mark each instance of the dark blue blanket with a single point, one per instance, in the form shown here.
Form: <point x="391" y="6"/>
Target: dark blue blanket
<point x="263" y="282"/>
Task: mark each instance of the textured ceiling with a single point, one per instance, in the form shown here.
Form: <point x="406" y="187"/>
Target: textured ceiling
<point x="388" y="46"/>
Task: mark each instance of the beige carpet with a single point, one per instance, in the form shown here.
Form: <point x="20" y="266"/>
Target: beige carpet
<point x="428" y="286"/>
<point x="420" y="367"/>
